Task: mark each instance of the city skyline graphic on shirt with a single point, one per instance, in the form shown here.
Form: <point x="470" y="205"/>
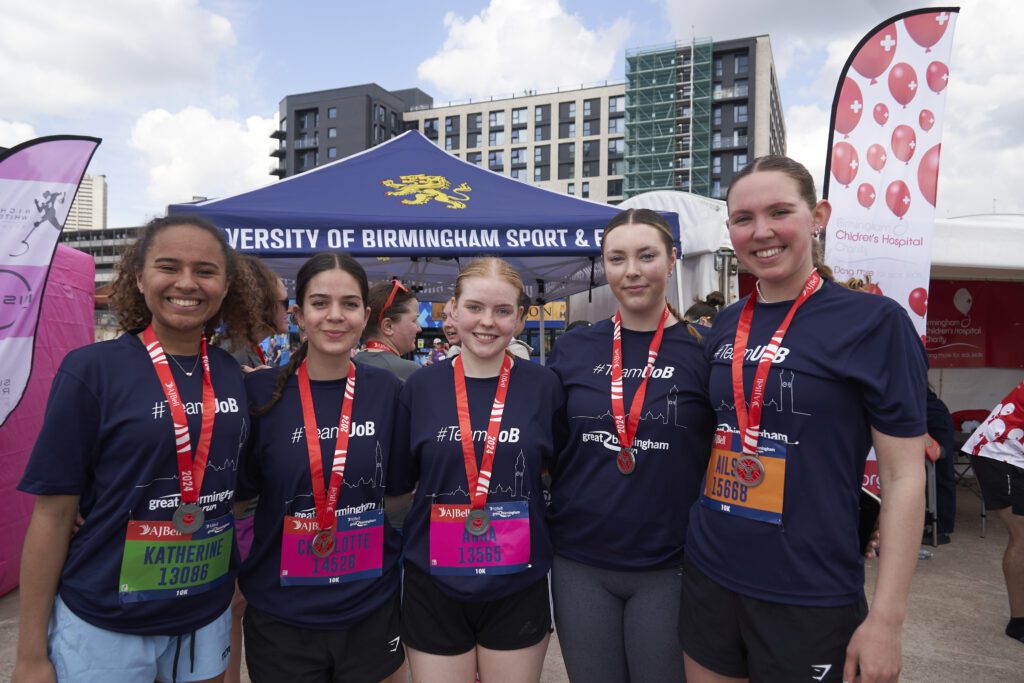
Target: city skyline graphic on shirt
<point x="516" y="491"/>
<point x="228" y="464"/>
<point x="783" y="399"/>
<point x="671" y="410"/>
<point x="376" y="482"/>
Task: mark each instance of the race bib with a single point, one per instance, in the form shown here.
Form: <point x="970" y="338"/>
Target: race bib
<point x="503" y="549"/>
<point x="744" y="486"/>
<point x="160" y="563"/>
<point x="358" y="550"/>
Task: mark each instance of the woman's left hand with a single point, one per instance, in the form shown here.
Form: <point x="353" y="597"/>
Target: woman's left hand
<point x="873" y="655"/>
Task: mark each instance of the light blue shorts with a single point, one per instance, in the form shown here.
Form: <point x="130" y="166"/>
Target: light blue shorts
<point x="83" y="653"/>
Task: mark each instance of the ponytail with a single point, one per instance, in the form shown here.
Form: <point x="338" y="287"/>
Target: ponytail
<point x="282" y="378"/>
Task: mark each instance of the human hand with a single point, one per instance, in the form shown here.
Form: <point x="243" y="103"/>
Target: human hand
<point x="874" y="653"/>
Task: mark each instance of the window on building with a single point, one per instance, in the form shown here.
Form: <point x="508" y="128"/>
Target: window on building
<point x="716" y="164"/>
<point x="382" y="113"/>
<point x="716" y="116"/>
<point x="591" y="169"/>
<point x="567" y="130"/>
<point x="718" y="67"/>
<point x="332" y="132"/>
<point x="449" y="143"/>
<point x="716" y="188"/>
<point x="740" y="113"/>
<point x="430" y="128"/>
<point x="450" y="124"/>
<point x="475" y="121"/>
<point x="541" y="133"/>
<point x="496" y="160"/>
<point x="742" y="64"/>
<point x="585" y="190"/>
<point x="567" y="151"/>
<point x="332" y="112"/>
<point x="394" y="120"/>
<point x="589" y="128"/>
<point x="332" y="152"/>
<point x="616" y="125"/>
<point x="614" y="188"/>
<point x="538" y="154"/>
<point x="541" y="113"/>
<point x="616" y="104"/>
<point x="739" y="87"/>
<point x="570" y="188"/>
<point x="571" y="112"/>
<point x="519" y="156"/>
<point x="617" y="146"/>
<point x="518" y="174"/>
<point x="738" y="162"/>
<point x="519" y="115"/>
<point x="716" y="140"/>
<point x="739" y="137"/>
<point x="474" y="157"/>
<point x="496" y="137"/>
<point x="566" y="171"/>
<point x="496" y="119"/>
<point x="616" y="166"/>
<point x="587" y="106"/>
<point x="518" y="135"/>
<point x="586" y="150"/>
<point x="538" y="173"/>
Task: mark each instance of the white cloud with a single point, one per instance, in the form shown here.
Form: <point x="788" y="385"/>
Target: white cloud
<point x="514" y="45"/>
<point x="63" y="56"/>
<point x="982" y="138"/>
<point x="13" y="132"/>
<point x="193" y="153"/>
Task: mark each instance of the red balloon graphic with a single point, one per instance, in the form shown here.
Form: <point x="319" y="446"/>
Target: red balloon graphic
<point x="937" y="75"/>
<point x="881" y="113"/>
<point x="918" y="301"/>
<point x="897" y="198"/>
<point x="877" y="53"/>
<point x="903" y="83"/>
<point x="851" y="104"/>
<point x="927" y="29"/>
<point x="866" y="195"/>
<point x="844" y="163"/>
<point x="877" y="157"/>
<point x="926" y="120"/>
<point x="928" y="173"/>
<point x="904" y="142"/>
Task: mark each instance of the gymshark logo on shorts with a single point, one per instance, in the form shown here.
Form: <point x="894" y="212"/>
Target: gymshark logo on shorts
<point x="393" y="644"/>
<point x="819" y="671"/>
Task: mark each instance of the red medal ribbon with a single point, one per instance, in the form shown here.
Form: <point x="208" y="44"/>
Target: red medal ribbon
<point x="380" y="346"/>
<point x="191" y="470"/>
<point x="626" y="430"/>
<point x="258" y="350"/>
<point x="750" y="425"/>
<point x="326" y="502"/>
<point x="480" y="481"/>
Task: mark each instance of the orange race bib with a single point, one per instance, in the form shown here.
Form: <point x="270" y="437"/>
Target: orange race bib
<point x="743" y="485"/>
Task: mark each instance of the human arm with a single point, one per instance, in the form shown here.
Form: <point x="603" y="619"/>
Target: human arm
<point x="42" y="559"/>
<point x="874" y="652"/>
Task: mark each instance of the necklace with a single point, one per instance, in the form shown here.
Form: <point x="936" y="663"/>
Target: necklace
<point x="187" y="372"/>
<point x="757" y="286"/>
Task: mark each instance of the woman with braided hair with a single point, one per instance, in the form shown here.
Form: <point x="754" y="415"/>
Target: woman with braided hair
<point x="322" y="577"/>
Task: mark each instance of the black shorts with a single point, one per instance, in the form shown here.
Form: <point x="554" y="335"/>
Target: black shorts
<point x="734" y="635"/>
<point x="370" y="650"/>
<point x="1002" y="484"/>
<point x="437" y="624"/>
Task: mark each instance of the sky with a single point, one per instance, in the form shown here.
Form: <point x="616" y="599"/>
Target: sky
<point x="185" y="93"/>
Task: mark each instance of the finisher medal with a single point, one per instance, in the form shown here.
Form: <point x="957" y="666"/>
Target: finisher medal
<point x="478" y="522"/>
<point x="626" y="461"/>
<point x="324" y="542"/>
<point x="188" y="518"/>
<point x="750" y="471"/>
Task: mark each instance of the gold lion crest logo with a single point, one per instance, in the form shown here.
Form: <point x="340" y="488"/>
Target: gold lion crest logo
<point x="421" y="189"/>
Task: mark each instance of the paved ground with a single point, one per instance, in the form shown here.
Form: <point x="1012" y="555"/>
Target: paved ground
<point x="953" y="632"/>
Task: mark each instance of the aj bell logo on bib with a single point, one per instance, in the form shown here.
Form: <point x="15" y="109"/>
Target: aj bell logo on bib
<point x="724" y="352"/>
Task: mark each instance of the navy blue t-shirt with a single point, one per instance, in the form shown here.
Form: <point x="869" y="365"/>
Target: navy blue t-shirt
<point x="599" y="516"/>
<point x="277" y="470"/>
<point x="108" y="437"/>
<point x="849" y="362"/>
<point x="433" y="457"/>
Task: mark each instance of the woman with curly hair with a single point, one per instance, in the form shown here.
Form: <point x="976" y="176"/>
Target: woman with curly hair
<point x="143" y="435"/>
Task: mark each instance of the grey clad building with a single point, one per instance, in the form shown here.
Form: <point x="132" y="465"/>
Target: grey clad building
<point x="318" y="127"/>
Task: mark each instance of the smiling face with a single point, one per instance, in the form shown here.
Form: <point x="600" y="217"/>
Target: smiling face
<point x="405" y="326"/>
<point x="637" y="265"/>
<point x="448" y="325"/>
<point x="332" y="313"/>
<point x="486" y="314"/>
<point x="771" y="227"/>
<point x="183" y="280"/>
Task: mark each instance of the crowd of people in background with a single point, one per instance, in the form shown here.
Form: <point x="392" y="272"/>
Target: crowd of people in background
<point x="350" y="514"/>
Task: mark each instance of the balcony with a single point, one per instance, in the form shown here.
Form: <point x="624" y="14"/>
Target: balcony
<point x="278" y="134"/>
<point x="735" y="141"/>
<point x="279" y="171"/>
<point x="307" y="143"/>
<point x="278" y="152"/>
<point x="729" y="93"/>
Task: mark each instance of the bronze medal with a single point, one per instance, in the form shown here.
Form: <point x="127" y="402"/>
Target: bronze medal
<point x="324" y="543"/>
<point x="188" y="518"/>
<point x="478" y="522"/>
<point x="749" y="471"/>
<point x="626" y="461"/>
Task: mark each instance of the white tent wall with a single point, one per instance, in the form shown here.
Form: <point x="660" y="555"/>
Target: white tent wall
<point x="703" y="236"/>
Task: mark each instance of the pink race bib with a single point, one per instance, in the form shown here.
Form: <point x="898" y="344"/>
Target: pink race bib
<point x="358" y="551"/>
<point x="503" y="549"/>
